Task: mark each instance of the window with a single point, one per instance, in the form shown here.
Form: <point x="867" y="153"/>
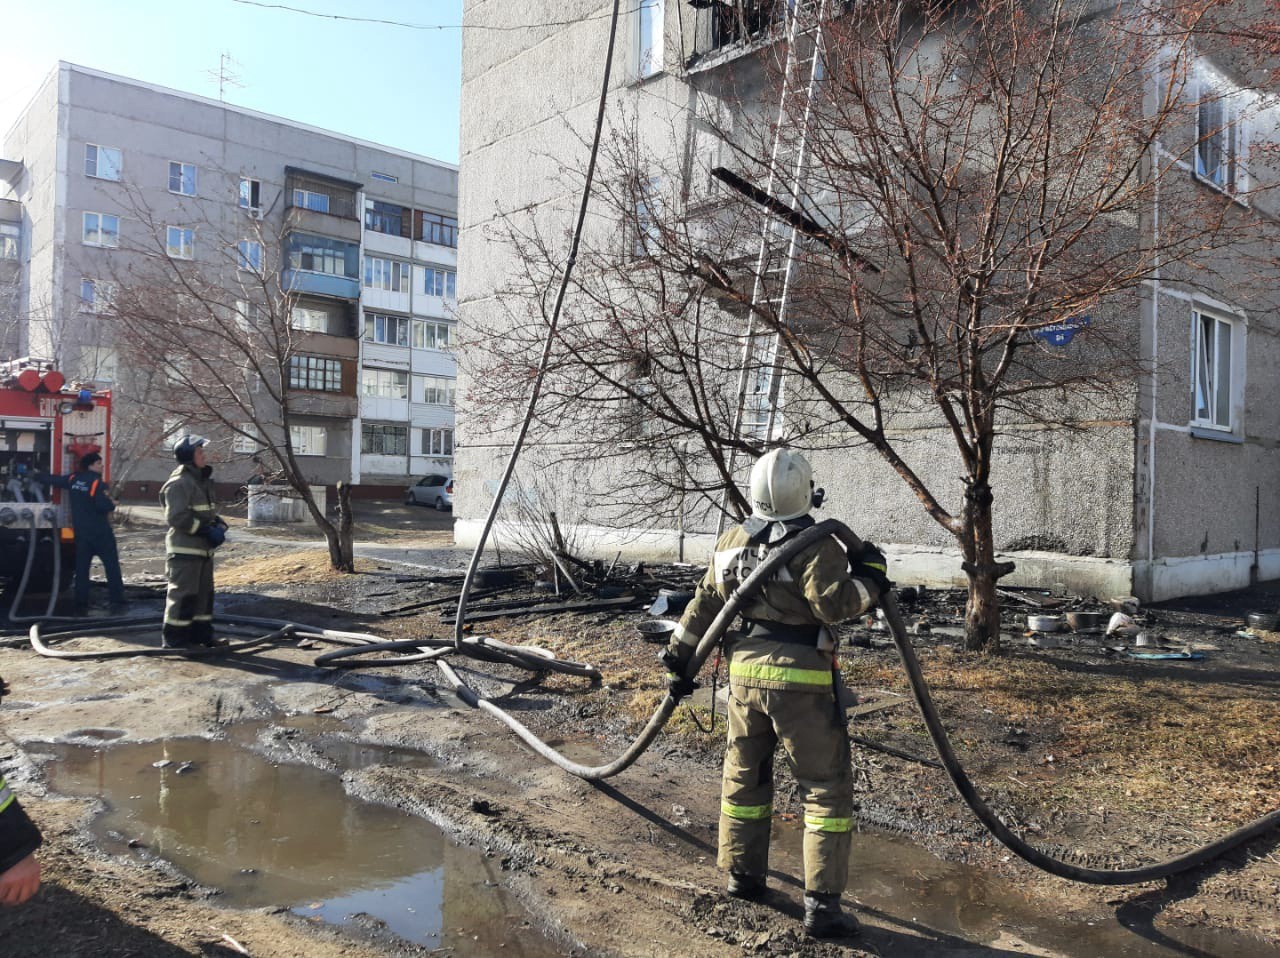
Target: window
<point x="309" y="319"/>
<point x="437" y="390"/>
<point x="250" y="194"/>
<point x="309" y="440"/>
<point x="385" y="218"/>
<point x="101" y="229"/>
<point x="310" y="200"/>
<point x="179" y="242"/>
<point x="250" y="317"/>
<point x="249" y="255"/>
<point x="320" y="254"/>
<point x="315" y="372"/>
<point x="246" y="439"/>
<point x="438" y="228"/>
<point x="1213" y="383"/>
<point x="101" y="364"/>
<point x="385" y="177"/>
<point x="1220" y="132"/>
<point x="432" y="335"/>
<point x="96" y="296"/>
<point x="648" y="204"/>
<point x="10" y="240"/>
<point x="388" y="274"/>
<point x="384" y="383"/>
<point x="379" y="440"/>
<point x="440" y="282"/>
<point x="392" y="330"/>
<point x="437" y="442"/>
<point x="101" y="161"/>
<point x="182" y="178"/>
<point x="649" y="37"/>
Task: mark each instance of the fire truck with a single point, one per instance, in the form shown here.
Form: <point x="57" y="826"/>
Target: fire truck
<point x="46" y="425"/>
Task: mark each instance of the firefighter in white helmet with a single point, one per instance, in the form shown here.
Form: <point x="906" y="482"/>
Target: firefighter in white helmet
<point x="782" y="687"/>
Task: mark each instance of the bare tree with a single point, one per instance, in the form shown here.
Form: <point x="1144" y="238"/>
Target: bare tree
<point x="980" y="188"/>
<point x="211" y="340"/>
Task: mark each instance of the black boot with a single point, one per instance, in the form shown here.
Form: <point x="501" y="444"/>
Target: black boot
<point x="746" y="887"/>
<point x="176" y="636"/>
<point x="823" y="917"/>
<point x="202" y="634"/>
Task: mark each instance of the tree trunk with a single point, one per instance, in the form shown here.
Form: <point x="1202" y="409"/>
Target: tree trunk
<point x="982" y="611"/>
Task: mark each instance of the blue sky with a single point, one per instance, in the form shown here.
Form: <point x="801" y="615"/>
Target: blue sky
<point x="390" y="84"/>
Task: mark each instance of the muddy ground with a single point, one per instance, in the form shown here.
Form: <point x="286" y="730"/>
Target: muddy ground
<point x="1101" y="759"/>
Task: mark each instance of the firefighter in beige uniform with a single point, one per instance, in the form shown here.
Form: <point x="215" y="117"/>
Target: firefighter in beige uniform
<point x="782" y="687"/>
<point x="195" y="531"/>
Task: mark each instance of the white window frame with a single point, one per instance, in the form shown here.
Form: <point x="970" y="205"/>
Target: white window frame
<point x="441" y="282"/>
<point x="418" y="334"/>
<point x="309" y="440"/>
<point x="1230" y="137"/>
<point x="98" y="232"/>
<point x="247" y="190"/>
<point x="246" y="444"/>
<point x="437" y="439"/>
<point x="438" y="390"/>
<point x="311" y="200"/>
<point x="308" y="319"/>
<point x="649" y="203"/>
<point x="650" y="38"/>
<point x="249" y="256"/>
<point x="392" y="275"/>
<point x="98" y="173"/>
<point x="182" y="169"/>
<point x="101" y="295"/>
<point x="185" y="247"/>
<point x="378" y="328"/>
<point x="384" y="383"/>
<point x="105" y="362"/>
<point x="1214" y="405"/>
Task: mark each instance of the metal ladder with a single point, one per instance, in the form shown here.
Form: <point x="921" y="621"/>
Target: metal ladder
<point x="760" y="378"/>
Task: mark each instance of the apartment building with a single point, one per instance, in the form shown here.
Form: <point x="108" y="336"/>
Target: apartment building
<point x="1165" y="487"/>
<point x="358" y="239"/>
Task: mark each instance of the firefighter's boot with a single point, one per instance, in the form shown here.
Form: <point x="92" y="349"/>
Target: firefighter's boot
<point x="176" y="637"/>
<point x="746" y="887"/>
<point x="823" y="917"/>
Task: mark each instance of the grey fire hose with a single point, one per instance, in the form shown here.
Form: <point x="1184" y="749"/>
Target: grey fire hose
<point x="30" y="515"/>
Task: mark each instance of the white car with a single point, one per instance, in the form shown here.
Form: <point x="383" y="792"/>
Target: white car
<point x="434" y="490"/>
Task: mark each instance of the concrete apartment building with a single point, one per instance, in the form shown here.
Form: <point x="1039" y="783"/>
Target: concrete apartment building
<point x="1170" y="491"/>
<point x="99" y="166"/>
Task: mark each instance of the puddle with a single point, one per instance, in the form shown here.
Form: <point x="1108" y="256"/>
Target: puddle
<point x="288" y="835"/>
<point x="923" y="899"/>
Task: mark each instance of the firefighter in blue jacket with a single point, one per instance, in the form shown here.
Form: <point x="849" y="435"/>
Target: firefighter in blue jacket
<point x="91" y="508"/>
<point x="19" y="839"/>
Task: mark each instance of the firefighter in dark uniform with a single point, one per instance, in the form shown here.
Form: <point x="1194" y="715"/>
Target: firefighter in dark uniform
<point x="195" y="531"/>
<point x="19" y="839"/>
<point x="91" y="507"/>
<point x="782" y="687"/>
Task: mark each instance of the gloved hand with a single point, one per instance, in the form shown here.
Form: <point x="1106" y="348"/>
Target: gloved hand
<point x="870" y="563"/>
<point x="678" y="686"/>
<point x="216" y="534"/>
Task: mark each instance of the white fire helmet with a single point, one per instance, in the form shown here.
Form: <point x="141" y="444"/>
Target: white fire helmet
<point x="781" y="485"/>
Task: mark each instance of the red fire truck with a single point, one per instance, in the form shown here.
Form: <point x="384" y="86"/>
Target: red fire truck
<point x="46" y="425"/>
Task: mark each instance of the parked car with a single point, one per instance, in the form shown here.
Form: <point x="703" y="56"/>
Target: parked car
<point x="434" y="490"/>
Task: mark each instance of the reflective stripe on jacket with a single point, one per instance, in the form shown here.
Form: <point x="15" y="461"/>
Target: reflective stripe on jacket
<point x="18" y="836"/>
<point x="189" y="505"/>
<point x="814" y="588"/>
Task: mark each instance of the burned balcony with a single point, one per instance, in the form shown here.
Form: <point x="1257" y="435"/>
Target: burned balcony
<point x="723" y="28"/>
<point x="320" y="193"/>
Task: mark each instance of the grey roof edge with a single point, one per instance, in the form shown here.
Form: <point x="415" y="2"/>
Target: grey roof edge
<point x="245" y="111"/>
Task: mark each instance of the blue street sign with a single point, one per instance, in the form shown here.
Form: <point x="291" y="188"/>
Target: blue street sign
<point x="1059" y="334"/>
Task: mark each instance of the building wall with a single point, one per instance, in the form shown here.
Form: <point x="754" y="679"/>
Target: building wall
<point x="1132" y="502"/>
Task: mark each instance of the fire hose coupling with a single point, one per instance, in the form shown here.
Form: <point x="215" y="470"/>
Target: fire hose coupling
<point x="7" y="516"/>
<point x="49" y="514"/>
<point x="28" y="515"/>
